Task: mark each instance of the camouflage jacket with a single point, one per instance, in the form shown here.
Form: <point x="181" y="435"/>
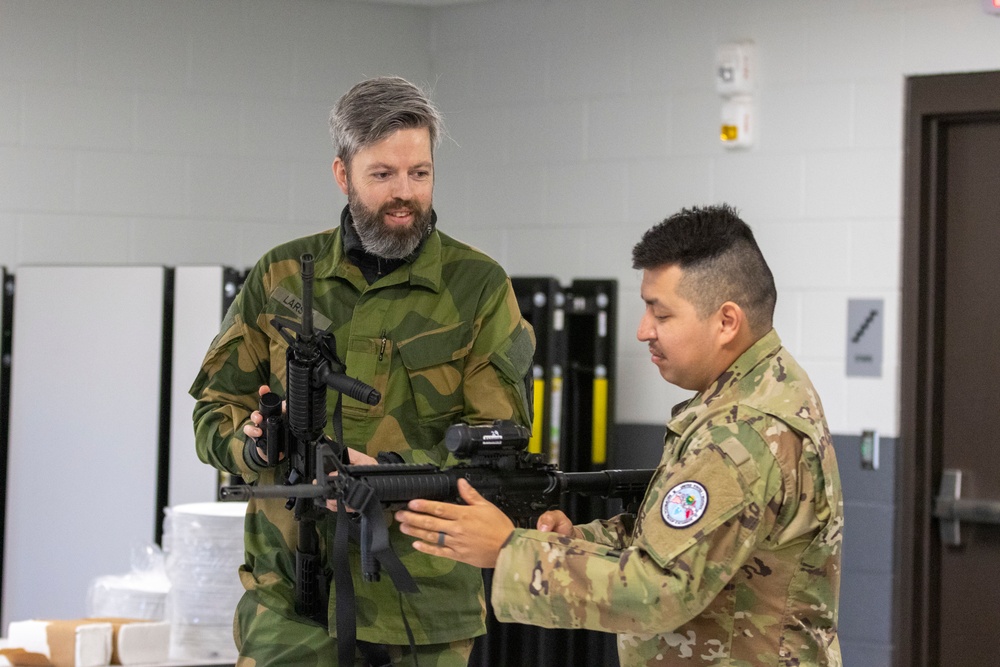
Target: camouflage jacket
<point x="734" y="558"/>
<point x="440" y="337"/>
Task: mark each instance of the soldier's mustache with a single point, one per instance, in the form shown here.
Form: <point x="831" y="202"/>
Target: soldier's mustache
<point x="397" y="204"/>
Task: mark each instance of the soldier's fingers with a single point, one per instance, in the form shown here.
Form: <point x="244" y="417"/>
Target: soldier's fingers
<point x="469" y="493"/>
<point x="264" y="389"/>
<point x="435" y="537"/>
<point x="417" y="526"/>
<point x="358" y="458"/>
<point x="555" y="521"/>
<point x="415" y="523"/>
<point x="434" y="549"/>
<point x="443" y="510"/>
<point x="453" y="546"/>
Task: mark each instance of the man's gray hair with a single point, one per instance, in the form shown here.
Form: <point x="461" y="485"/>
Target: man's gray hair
<point x="373" y="109"/>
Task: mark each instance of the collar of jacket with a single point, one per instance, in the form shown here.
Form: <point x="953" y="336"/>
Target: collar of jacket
<point x="685" y="413"/>
<point x="422" y="267"/>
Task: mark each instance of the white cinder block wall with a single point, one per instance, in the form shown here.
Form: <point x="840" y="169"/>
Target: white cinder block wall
<point x="194" y="132"/>
<point x="581" y="123"/>
<point x="183" y="132"/>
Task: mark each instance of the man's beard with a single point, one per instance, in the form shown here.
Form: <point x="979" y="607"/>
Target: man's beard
<point x="382" y="240"/>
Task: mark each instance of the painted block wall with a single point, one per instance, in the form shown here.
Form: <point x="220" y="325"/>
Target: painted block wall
<point x="180" y="132"/>
<point x="194" y="131"/>
<point x="580" y="124"/>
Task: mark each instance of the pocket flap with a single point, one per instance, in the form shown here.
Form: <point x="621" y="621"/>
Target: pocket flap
<point x="436" y="347"/>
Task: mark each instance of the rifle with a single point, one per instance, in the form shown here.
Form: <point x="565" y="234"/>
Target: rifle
<point x="492" y="458"/>
<point x="312" y="367"/>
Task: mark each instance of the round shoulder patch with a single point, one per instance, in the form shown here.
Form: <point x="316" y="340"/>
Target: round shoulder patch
<point x="684" y="504"/>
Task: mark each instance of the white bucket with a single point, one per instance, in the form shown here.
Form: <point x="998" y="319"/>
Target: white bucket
<point x="203" y="543"/>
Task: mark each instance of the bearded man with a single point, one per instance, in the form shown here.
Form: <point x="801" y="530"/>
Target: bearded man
<point x="431" y="323"/>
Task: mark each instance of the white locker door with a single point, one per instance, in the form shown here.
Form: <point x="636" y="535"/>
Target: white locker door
<point x="198" y="292"/>
<point x="84" y="432"/>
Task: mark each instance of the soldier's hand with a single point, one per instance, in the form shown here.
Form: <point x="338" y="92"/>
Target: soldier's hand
<point x="254" y="430"/>
<point x="355" y="458"/>
<point x="555" y="521"/>
<point x="472" y="533"/>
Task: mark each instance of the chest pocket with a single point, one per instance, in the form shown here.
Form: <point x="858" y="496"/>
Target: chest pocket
<point x="435" y="362"/>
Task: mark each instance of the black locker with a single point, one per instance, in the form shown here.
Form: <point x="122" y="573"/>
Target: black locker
<point x="591" y="316"/>
<point x="541" y="302"/>
<point x="6" y="341"/>
<point x="591" y="313"/>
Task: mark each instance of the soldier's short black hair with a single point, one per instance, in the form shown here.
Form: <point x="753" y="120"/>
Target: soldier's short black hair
<point x="720" y="259"/>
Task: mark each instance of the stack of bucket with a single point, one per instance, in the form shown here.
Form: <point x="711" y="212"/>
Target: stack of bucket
<point x="204" y="549"/>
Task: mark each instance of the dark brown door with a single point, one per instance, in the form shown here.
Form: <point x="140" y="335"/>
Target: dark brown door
<point x="948" y="597"/>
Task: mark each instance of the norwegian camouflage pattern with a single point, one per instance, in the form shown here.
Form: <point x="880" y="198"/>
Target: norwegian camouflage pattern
<point x="754" y="582"/>
<point x="441" y="338"/>
<point x="263" y="637"/>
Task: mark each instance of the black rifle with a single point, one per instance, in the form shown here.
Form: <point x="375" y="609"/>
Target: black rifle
<point x="312" y="367"/>
<point x="494" y="460"/>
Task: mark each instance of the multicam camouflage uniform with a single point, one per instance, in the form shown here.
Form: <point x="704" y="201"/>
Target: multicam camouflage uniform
<point x="441" y="337"/>
<point x="734" y="558"/>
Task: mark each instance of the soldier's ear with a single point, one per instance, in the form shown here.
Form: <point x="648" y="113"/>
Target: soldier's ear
<point x="732" y="321"/>
<point x="340" y="174"/>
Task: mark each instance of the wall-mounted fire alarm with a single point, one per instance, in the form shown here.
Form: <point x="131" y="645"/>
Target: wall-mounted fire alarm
<point x="735" y="68"/>
<point x="736" y="130"/>
<point x="735" y="78"/>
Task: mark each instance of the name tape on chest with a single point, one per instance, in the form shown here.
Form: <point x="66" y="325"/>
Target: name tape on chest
<point x="684" y="504"/>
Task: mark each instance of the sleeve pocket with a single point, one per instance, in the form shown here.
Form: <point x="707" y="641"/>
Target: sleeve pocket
<point x="724" y="498"/>
<point x="514" y="360"/>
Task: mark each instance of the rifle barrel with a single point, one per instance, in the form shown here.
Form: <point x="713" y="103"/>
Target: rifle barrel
<point x="247" y="491"/>
<point x="607" y="483"/>
<point x="306" y="263"/>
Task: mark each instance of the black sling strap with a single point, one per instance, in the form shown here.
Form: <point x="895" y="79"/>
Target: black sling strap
<point x="373" y="536"/>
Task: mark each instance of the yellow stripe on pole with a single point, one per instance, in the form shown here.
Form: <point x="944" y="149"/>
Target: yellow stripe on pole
<point x="538" y="402"/>
<point x="555" y="416"/>
<point x="599" y="446"/>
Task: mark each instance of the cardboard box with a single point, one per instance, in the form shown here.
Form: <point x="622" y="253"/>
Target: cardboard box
<point x="89" y="642"/>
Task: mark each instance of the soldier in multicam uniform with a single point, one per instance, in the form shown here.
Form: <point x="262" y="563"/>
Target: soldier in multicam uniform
<point x="734" y="557"/>
<point x="429" y="322"/>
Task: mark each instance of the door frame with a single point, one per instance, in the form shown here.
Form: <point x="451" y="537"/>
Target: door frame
<point x="932" y="102"/>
